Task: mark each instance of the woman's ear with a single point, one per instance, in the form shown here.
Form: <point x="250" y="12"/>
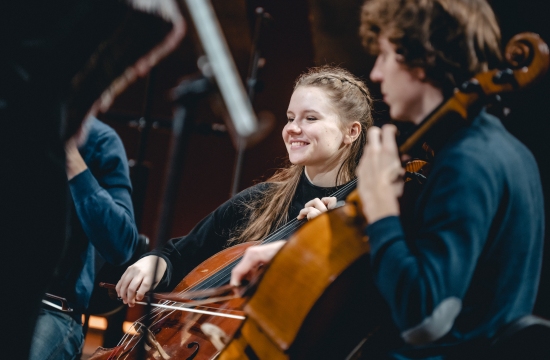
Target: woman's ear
<point x="353" y="132"/>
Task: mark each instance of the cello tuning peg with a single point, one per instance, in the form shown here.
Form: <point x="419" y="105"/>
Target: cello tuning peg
<point x="470" y="86"/>
<point x="505" y="76"/>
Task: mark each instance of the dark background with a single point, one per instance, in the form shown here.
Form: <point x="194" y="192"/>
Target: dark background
<point x="302" y="34"/>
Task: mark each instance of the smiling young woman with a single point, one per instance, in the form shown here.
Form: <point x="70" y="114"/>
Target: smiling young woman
<point x="315" y="137"/>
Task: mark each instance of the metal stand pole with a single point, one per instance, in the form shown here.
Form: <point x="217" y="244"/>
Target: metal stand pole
<point x="186" y="96"/>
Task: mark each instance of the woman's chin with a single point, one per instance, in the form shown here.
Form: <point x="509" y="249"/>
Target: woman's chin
<point x="297" y="162"/>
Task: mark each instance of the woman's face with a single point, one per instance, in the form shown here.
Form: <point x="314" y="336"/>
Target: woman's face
<point x="314" y="135"/>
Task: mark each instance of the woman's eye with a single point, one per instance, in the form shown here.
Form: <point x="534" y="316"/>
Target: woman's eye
<point x="311" y="118"/>
<point x="290" y="120"/>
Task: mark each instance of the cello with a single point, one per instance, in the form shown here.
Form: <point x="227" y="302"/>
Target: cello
<point x="324" y="263"/>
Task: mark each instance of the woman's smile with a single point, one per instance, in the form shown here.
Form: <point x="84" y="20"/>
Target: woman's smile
<point x="298" y="144"/>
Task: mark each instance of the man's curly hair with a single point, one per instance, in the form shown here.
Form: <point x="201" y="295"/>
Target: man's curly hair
<point x="451" y="40"/>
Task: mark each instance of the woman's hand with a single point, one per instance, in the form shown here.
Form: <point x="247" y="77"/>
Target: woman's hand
<point x="316" y="207"/>
<point x="138" y="279"/>
<point x="254" y="257"/>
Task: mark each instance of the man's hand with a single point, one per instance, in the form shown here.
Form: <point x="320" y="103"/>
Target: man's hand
<point x="316" y="207"/>
<point x="138" y="279"/>
<point x="253" y="258"/>
<point x="380" y="174"/>
<point x="74" y="163"/>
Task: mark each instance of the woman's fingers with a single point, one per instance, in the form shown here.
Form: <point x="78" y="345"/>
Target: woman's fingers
<point x="138" y="279"/>
<point x="133" y="288"/>
<point x="122" y="285"/>
<point x="330" y="202"/>
<point x="309" y="213"/>
<point x="316" y="207"/>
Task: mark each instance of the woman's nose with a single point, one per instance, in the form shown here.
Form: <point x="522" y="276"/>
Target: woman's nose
<point x="292" y="127"/>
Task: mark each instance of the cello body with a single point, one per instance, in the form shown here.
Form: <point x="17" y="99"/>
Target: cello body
<point x="185" y="335"/>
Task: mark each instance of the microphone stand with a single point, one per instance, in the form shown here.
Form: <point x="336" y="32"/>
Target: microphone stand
<point x="186" y="96"/>
<point x="139" y="175"/>
<point x="251" y="83"/>
<point x="140" y="170"/>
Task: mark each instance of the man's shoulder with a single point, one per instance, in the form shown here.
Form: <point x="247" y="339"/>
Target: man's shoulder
<point x="486" y="150"/>
<point x="486" y="141"/>
<point x="99" y="129"/>
<point x="102" y="142"/>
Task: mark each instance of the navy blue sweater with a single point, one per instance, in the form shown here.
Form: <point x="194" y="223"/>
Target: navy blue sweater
<point x="102" y="222"/>
<point x="472" y="263"/>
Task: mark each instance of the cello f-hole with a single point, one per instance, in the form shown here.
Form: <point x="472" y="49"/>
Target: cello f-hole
<point x="189" y="346"/>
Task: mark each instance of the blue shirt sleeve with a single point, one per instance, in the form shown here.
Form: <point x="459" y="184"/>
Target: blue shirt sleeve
<point x="102" y="198"/>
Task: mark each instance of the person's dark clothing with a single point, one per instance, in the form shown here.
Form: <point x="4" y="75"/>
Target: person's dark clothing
<point x="472" y="263"/>
<point x="102" y="221"/>
<point x="102" y="229"/>
<point x="44" y="46"/>
<point x="211" y="234"/>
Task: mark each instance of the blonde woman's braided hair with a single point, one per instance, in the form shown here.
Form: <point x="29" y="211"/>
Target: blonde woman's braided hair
<point x="352" y="100"/>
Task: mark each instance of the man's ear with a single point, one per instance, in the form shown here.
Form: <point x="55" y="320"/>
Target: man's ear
<point x="419" y="73"/>
<point x="353" y="132"/>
